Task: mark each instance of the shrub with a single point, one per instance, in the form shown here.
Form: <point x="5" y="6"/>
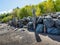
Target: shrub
<point x="6" y="19"/>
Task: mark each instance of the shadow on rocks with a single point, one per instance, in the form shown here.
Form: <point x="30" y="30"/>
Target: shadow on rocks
<point x="53" y="37"/>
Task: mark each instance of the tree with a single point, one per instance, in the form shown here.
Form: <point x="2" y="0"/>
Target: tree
<point x="38" y="11"/>
<point x="57" y="5"/>
<point x="49" y="6"/>
<point x="23" y="13"/>
<point x="29" y="9"/>
<point x="15" y="12"/>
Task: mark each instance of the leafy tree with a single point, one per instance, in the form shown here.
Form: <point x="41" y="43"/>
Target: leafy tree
<point x="15" y="12"/>
<point x="57" y="5"/>
<point x="38" y="11"/>
<point x="29" y="10"/>
<point x="23" y="13"/>
<point x="49" y="6"/>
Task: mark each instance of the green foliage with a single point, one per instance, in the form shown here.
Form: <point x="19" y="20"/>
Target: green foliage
<point x="57" y="5"/>
<point x="6" y="19"/>
<point x="38" y="11"/>
<point x="29" y="10"/>
<point x="23" y="13"/>
<point x="47" y="6"/>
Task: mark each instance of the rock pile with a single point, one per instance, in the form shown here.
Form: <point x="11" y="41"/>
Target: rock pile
<point x="51" y="23"/>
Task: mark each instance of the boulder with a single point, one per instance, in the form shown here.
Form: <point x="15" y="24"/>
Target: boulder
<point x="30" y="26"/>
<point x="40" y="28"/>
<point x="29" y="19"/>
<point x="20" y="25"/>
<point x="48" y="22"/>
<point x="10" y="23"/>
<point x="54" y="15"/>
<point x="14" y="21"/>
<point x="48" y="16"/>
<point x="17" y="23"/>
<point x="53" y="30"/>
<point x="57" y="23"/>
<point x="40" y="20"/>
<point x="25" y="20"/>
<point x="58" y="17"/>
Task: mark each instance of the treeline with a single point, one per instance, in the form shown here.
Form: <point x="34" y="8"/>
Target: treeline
<point x="47" y="6"/>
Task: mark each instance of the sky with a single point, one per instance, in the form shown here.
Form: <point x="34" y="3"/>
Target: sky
<point x="8" y="5"/>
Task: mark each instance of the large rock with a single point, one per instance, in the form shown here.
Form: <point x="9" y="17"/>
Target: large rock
<point x="25" y="20"/>
<point x="58" y="17"/>
<point x="29" y="19"/>
<point x="40" y="20"/>
<point x="40" y="28"/>
<point x="48" y="16"/>
<point x="14" y="21"/>
<point x="57" y="23"/>
<point x="20" y="24"/>
<point x="53" y="30"/>
<point x="54" y="15"/>
<point x="48" y="22"/>
<point x="10" y="23"/>
<point x="30" y="26"/>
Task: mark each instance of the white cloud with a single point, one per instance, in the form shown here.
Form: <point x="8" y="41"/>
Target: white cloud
<point x="6" y="11"/>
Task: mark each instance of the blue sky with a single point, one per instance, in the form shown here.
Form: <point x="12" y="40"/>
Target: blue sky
<point x="6" y="5"/>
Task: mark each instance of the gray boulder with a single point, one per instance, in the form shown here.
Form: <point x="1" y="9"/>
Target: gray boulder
<point x="54" y="15"/>
<point x="57" y="23"/>
<point x="20" y="24"/>
<point x="48" y="22"/>
<point x="40" y="20"/>
<point x="25" y="21"/>
<point x="40" y="28"/>
<point x="29" y="19"/>
<point x="30" y="26"/>
<point x="48" y="16"/>
<point x="53" y="30"/>
<point x="59" y="17"/>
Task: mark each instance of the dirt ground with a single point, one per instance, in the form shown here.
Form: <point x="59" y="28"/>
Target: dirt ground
<point x="13" y="36"/>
